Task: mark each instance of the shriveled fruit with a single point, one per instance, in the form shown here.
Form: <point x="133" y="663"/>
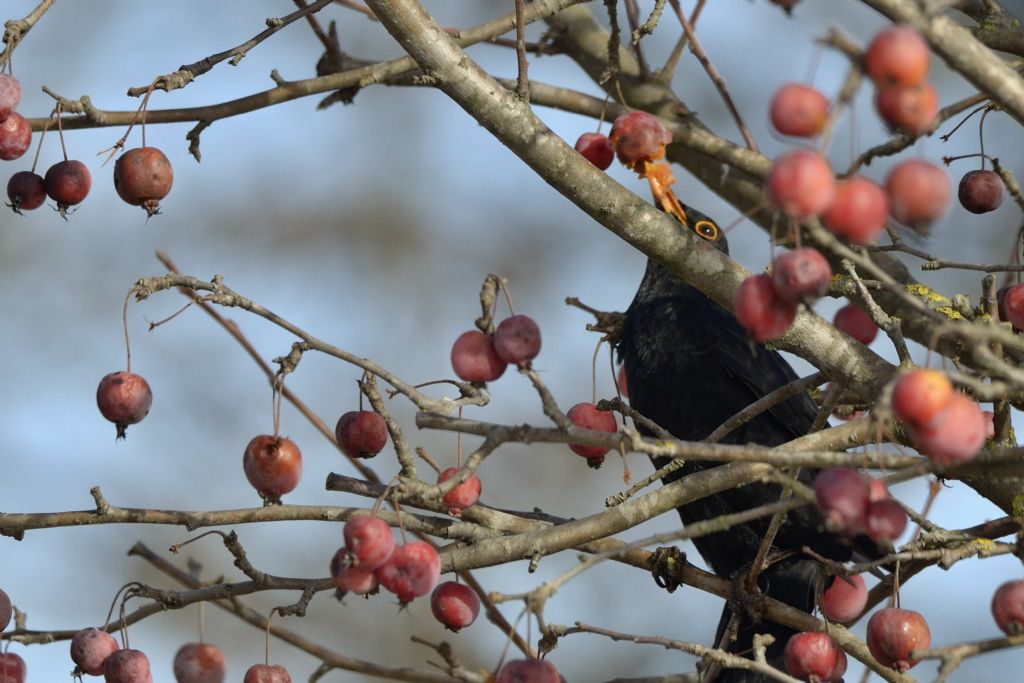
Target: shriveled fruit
<point x="1008" y="607"/>
<point x="12" y="668"/>
<point x="26" y="190"/>
<point x="361" y="433"/>
<point x="142" y="177"/>
<point x="474" y="358"/>
<point x="517" y="340"/>
<point x="1011" y="305"/>
<point x="463" y="496"/>
<point x="761" y="312"/>
<point x="639" y="137"/>
<point x="127" y="666"/>
<point x="10" y="95"/>
<point x="5" y="610"/>
<point x="843" y="494"/>
<point x="844" y="600"/>
<point x="351" y="579"/>
<point x="273" y="465"/>
<point x="909" y="109"/>
<point x="587" y="416"/>
<point x="919" y="396"/>
<point x="955" y="435"/>
<point x="267" y="673"/>
<point x="528" y="671"/>
<point x="199" y="663"/>
<point x="124" y="398"/>
<point x="886" y="521"/>
<point x="411" y="571"/>
<point x="15" y="136"/>
<point x="858" y="212"/>
<point x="897" y="55"/>
<point x="369" y="542"/>
<point x="798" y="110"/>
<point x="980" y="191"/>
<point x="454" y="604"/>
<point x="814" y="656"/>
<point x="67" y="183"/>
<point x="801" y="275"/>
<point x="90" y="648"/>
<point x="918" y="194"/>
<point x="855" y="321"/>
<point x="596" y="149"/>
<point x="801" y="184"/>
<point x="893" y="633"/>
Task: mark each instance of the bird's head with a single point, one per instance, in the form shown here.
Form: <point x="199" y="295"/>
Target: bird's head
<point x="702" y="226"/>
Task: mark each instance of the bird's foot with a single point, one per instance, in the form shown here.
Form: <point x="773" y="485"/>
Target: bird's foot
<point x="745" y="599"/>
<point x="667" y="565"/>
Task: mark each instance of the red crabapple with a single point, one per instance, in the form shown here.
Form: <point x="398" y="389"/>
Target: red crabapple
<point x="897" y="55"/>
<point x="361" y="433"/>
<point x="918" y="194"/>
<point x="596" y="149"/>
<point x="411" y="571"/>
<point x="12" y="668"/>
<point x="639" y="137"/>
<point x="369" y="541"/>
<point x="454" y="604"/>
<point x="801" y="274"/>
<point x="351" y="579"/>
<point x="26" y="190"/>
<point x="814" y="656"/>
<point x="587" y="416"/>
<point x="273" y="465"/>
<point x="474" y="358"/>
<point x="90" y="648"/>
<point x="798" y="110"/>
<point x="909" y="109"/>
<point x="1011" y="305"/>
<point x="199" y="663"/>
<point x="620" y="382"/>
<point x="142" y="177"/>
<point x="894" y="633"/>
<point x="760" y="310"/>
<point x="980" y="191"/>
<point x="801" y="184"/>
<point x="267" y="673"/>
<point x="955" y="435"/>
<point x="787" y="5"/>
<point x="15" y="136"/>
<point x="886" y="521"/>
<point x="5" y="610"/>
<point x="463" y="496"/>
<point x="517" y="340"/>
<point x="124" y="398"/>
<point x="1008" y="607"/>
<point x="528" y="671"/>
<point x="919" y="396"/>
<point x="67" y="183"/>
<point x="855" y="321"/>
<point x="879" y="491"/>
<point x="127" y="666"/>
<point x="10" y="95"/>
<point x="845" y="599"/>
<point x="859" y="210"/>
<point x="843" y="494"/>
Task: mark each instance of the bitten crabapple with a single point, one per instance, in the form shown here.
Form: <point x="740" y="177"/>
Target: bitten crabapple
<point x="638" y="137"/>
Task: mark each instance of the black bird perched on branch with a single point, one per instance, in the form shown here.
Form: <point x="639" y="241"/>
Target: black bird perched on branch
<point x="690" y="366"/>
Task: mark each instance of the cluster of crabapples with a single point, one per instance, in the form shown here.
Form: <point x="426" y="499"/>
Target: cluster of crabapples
<point x="142" y="176"/>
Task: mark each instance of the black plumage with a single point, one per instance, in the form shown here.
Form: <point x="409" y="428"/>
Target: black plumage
<point x="689" y="367"/>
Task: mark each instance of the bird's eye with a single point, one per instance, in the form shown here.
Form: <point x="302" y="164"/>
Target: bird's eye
<point x="707" y="230"/>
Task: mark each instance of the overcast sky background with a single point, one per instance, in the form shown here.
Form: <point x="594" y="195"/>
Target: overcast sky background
<point x="370" y="226"/>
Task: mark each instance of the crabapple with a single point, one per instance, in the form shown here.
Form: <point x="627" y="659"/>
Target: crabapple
<point x="893" y="633"/>
<point x="798" y="110"/>
<point x="474" y="358"/>
<point x="879" y="491"/>
<point x="814" y="656"/>
<point x="886" y="520"/>
<point x="67" y="183"/>
<point x="369" y="542"/>
<point x="596" y="149"/>
<point x="909" y="109"/>
<point x="127" y="666"/>
<point x="26" y="190"/>
<point x="1008" y="607"/>
<point x="620" y="382"/>
<point x="199" y="663"/>
<point x="845" y="599"/>
<point x="638" y="137"/>
<point x="454" y="604"/>
<point x="361" y="433"/>
<point x="124" y="398"/>
<point x="5" y="610"/>
<point x="1011" y="305"/>
<point x="15" y="136"/>
<point x="517" y="340"/>
<point x="12" y="668"/>
<point x="90" y="647"/>
<point x="142" y="177"/>
<point x="528" y="671"/>
<point x="843" y="494"/>
<point x="918" y="193"/>
<point x="801" y="274"/>
<point x="897" y="55"/>
<point x="980" y="191"/>
<point x="10" y="95"/>
<point x="920" y="395"/>
<point x="351" y="579"/>
<point x="855" y="321"/>
<point x="859" y="210"/>
<point x="801" y="184"/>
<point x="273" y="465"/>
<point x="412" y="570"/>
<point x="267" y="673"/>
<point x="955" y="435"/>
<point x="760" y="310"/>
<point x="462" y="496"/>
<point x="587" y="416"/>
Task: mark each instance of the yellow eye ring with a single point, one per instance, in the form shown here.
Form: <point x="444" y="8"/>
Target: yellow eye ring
<point x="706" y="229"/>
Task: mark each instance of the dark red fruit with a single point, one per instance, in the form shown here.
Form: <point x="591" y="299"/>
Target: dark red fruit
<point x="528" y="671"/>
<point x="10" y="95"/>
<point x="801" y="184"/>
<point x="1008" y="607"/>
<point x="5" y="610"/>
<point x="798" y="110"/>
<point x="814" y="656"/>
<point x="886" y="521"/>
<point x="801" y="275"/>
<point x="273" y="465"/>
<point x="124" y="398"/>
<point x="411" y="571"/>
<point x="517" y="340"/>
<point x="918" y="194"/>
<point x="351" y="579"/>
<point x="858" y="212"/>
<point x="199" y="663"/>
<point x="67" y="183"/>
<point x="897" y="55"/>
<point x="920" y="395"/>
<point x="855" y="321"/>
<point x="1011" y="305"/>
<point x="981" y="191"/>
<point x="454" y="604"/>
<point x="909" y="109"/>
<point x="639" y="137"/>
<point x="267" y="673"/>
<point x="787" y="5"/>
<point x="843" y="494"/>
<point x="361" y="433"/>
<point x="12" y="668"/>
<point x="142" y="177"/>
<point x="15" y="136"/>
<point x="760" y="310"/>
<point x="587" y="416"/>
<point x="90" y="648"/>
<point x="463" y="496"/>
<point x="845" y="599"/>
<point x="596" y="149"/>
<point x="894" y="633"/>
<point x="955" y="435"/>
<point x="369" y="542"/>
<point x="620" y="382"/>
<point x="474" y="358"/>
<point x="26" y="190"/>
<point x="127" y="666"/>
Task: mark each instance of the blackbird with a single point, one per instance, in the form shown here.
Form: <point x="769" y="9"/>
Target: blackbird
<point x="689" y="367"/>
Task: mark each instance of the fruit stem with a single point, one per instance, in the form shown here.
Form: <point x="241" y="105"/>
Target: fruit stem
<point x="124" y="324"/>
<point x="60" y="129"/>
<point x="593" y="372"/>
<point x="276" y="402"/>
<point x="39" y="145"/>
